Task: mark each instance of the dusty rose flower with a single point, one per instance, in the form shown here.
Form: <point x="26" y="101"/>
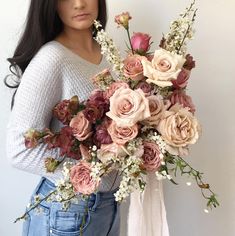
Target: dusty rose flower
<point x="152" y="156"/>
<point x="121" y="135"/>
<point x="190" y="63"/>
<point x="164" y="67"/>
<point x="123" y="20"/>
<point x="65" y="109"/>
<point x="81" y="127"/>
<point x="32" y="137"/>
<point x="182" y="79"/>
<point x="145" y="87"/>
<point x="179" y="128"/>
<point x="140" y="42"/>
<point x="65" y="141"/>
<point x="113" y="87"/>
<point x="101" y="135"/>
<point x="157" y="107"/>
<point x="93" y="112"/>
<point x="179" y="96"/>
<point x="110" y="151"/>
<point x="97" y="98"/>
<point x="133" y="67"/>
<point x="81" y="179"/>
<point x="85" y="153"/>
<point x="128" y="106"/>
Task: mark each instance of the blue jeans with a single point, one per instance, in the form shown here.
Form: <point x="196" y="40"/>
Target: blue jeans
<point x="102" y="218"/>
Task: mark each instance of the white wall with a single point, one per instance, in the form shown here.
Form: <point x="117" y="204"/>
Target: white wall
<point x="211" y="86"/>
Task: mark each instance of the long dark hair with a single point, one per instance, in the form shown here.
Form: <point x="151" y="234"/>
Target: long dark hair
<point x="42" y="25"/>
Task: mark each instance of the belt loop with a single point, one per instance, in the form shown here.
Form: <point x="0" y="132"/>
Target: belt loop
<point x="97" y="200"/>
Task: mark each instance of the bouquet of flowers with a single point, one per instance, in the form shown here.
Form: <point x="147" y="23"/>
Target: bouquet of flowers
<point x="142" y="122"/>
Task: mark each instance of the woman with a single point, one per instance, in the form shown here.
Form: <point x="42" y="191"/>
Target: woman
<point x="57" y="56"/>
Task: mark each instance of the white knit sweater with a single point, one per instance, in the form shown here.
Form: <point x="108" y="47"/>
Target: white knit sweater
<point x="55" y="73"/>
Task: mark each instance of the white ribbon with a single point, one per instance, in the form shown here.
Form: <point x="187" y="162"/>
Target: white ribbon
<point x="147" y="214"/>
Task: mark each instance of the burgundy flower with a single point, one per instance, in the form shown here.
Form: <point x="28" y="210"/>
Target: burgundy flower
<point x="190" y="63"/>
<point x="145" y="87"/>
<point x="93" y="113"/>
<point x="182" y="79"/>
<point x="179" y="96"/>
<point x="101" y="135"/>
<point x="65" y="109"/>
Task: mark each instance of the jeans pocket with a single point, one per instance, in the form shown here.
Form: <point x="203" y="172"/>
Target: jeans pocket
<point x="69" y="223"/>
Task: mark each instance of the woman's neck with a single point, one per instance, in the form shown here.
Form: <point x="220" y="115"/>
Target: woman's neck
<point x="77" y="40"/>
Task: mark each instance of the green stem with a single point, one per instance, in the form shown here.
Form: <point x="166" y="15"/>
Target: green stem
<point x="33" y="207"/>
<point x="129" y="38"/>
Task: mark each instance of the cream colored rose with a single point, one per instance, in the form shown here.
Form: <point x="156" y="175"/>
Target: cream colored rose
<point x="157" y="107"/>
<point x="108" y="152"/>
<point x="164" y="67"/>
<point x="128" y="106"/>
<point x="179" y="128"/>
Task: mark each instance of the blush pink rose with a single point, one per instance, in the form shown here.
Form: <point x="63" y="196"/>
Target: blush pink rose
<point x="182" y="79"/>
<point x="152" y="156"/>
<point x="157" y="106"/>
<point x="81" y="180"/>
<point x="128" y="106"/>
<point x="179" y="128"/>
<point x="133" y="68"/>
<point x="179" y="96"/>
<point x="164" y="67"/>
<point x="121" y="135"/>
<point x="113" y="87"/>
<point x="81" y="127"/>
<point x="140" y="42"/>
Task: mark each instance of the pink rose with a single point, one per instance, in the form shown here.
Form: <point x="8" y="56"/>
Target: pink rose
<point x="81" y="179"/>
<point x="110" y="151"/>
<point x="128" y="106"/>
<point x="113" y="87"/>
<point x="179" y="96"/>
<point x="133" y="67"/>
<point x="145" y="87"/>
<point x="182" y="79"/>
<point x="157" y="106"/>
<point x="140" y="42"/>
<point x="152" y="156"/>
<point x="121" y="135"/>
<point x="123" y="19"/>
<point x="81" y="127"/>
<point x="65" y="109"/>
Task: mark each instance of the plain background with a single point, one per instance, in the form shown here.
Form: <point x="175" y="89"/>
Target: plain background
<point x="212" y="86"/>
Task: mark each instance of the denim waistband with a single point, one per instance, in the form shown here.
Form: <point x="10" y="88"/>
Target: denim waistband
<point x="45" y="186"/>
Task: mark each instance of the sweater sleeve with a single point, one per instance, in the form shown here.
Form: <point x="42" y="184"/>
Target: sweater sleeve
<point x="40" y="89"/>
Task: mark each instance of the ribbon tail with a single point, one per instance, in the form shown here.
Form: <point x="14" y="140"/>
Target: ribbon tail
<point x="147" y="213"/>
